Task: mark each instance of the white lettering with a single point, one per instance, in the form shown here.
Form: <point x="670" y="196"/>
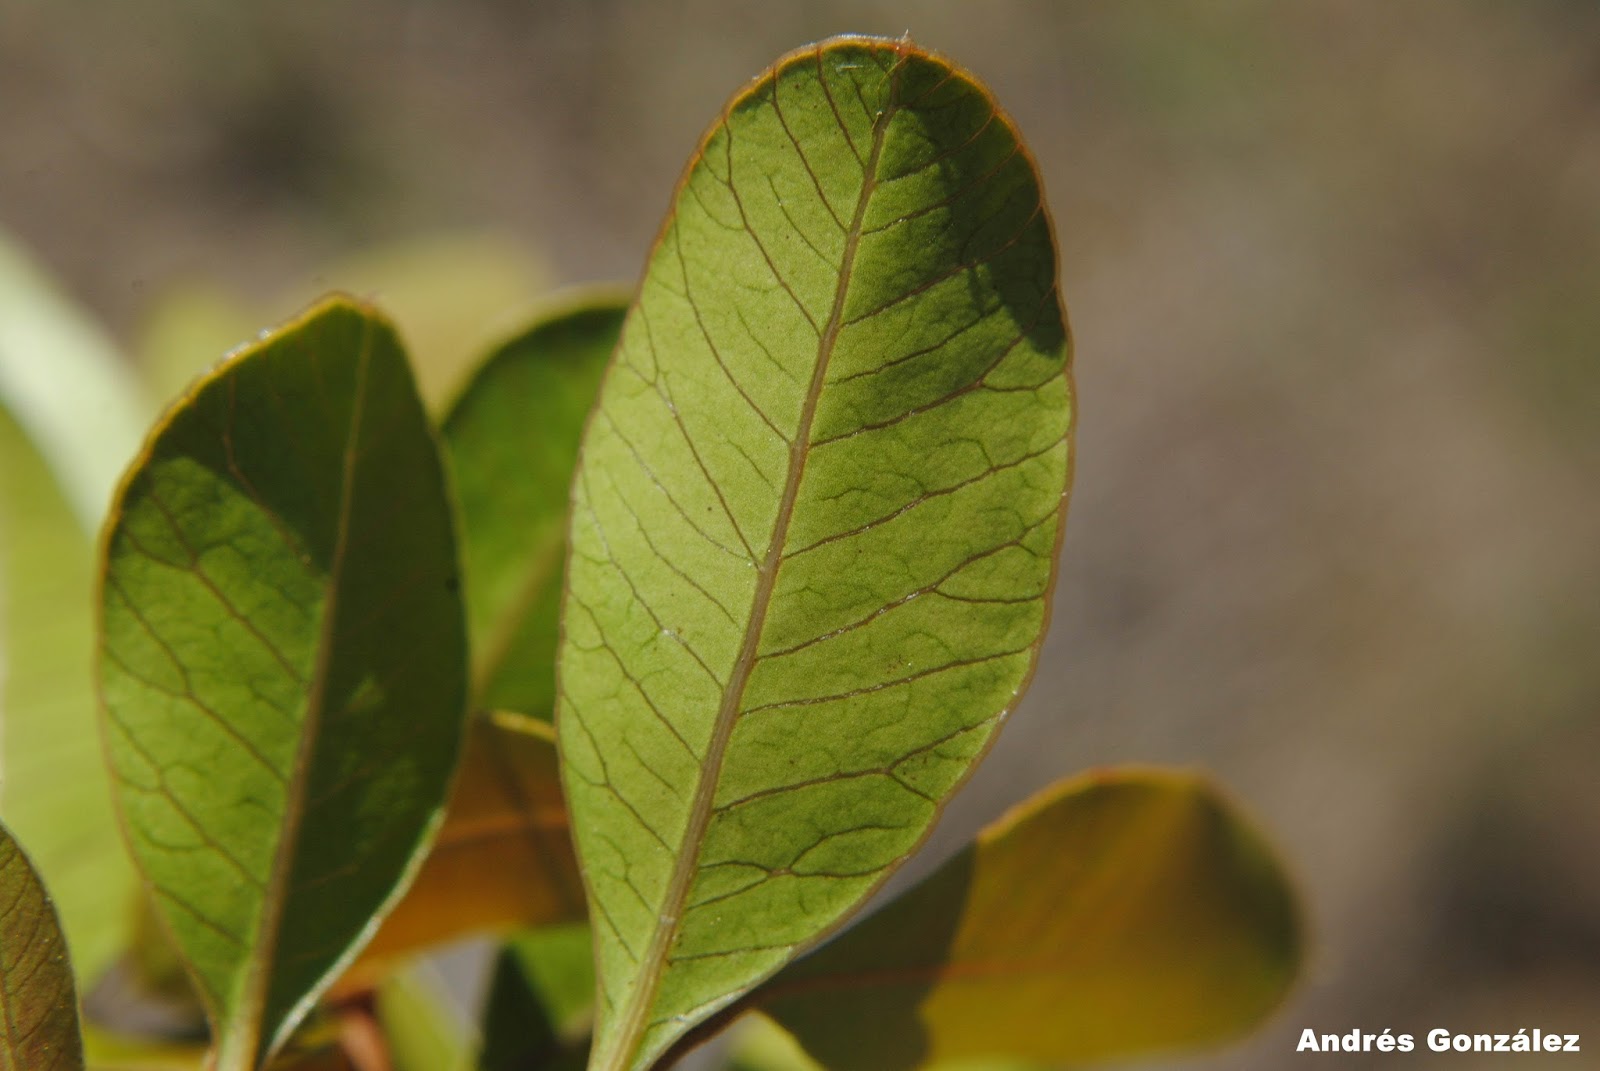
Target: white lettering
<point x="1440" y="1039"/>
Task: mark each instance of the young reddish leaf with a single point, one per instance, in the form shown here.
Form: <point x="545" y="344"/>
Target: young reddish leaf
<point x="503" y="858"/>
<point x="1115" y="915"/>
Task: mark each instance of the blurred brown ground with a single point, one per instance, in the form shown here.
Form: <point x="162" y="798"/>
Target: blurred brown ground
<point x="1334" y="273"/>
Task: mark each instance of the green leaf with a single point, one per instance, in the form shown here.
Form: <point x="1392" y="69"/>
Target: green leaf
<point x="54" y="789"/>
<point x="39" y="1027"/>
<point x="63" y="380"/>
<point x="1115" y="915"/>
<point x="512" y="437"/>
<point x="813" y="527"/>
<point x="282" y="663"/>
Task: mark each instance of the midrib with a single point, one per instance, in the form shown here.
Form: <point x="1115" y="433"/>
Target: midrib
<point x="242" y="1044"/>
<point x="620" y="1055"/>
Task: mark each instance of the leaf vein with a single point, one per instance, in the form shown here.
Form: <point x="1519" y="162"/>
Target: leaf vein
<point x="928" y="497"/>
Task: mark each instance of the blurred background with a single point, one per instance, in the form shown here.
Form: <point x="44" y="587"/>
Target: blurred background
<point x="1334" y="276"/>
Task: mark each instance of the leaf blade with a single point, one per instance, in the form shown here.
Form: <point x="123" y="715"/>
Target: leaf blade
<point x="1114" y="916"/>
<point x="250" y="699"/>
<point x="744" y="457"/>
<point x="39" y="1024"/>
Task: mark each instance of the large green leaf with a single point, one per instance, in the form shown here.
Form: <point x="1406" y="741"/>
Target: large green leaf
<point x="1114" y="916"/>
<point x="39" y="1024"/>
<point x="54" y="790"/>
<point x="282" y="663"/>
<point x="512" y="438"/>
<point x="814" y="524"/>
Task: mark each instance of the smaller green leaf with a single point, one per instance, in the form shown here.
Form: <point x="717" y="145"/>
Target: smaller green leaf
<point x="1115" y="915"/>
<point x="39" y="1027"/>
<point x="512" y="437"/>
<point x="282" y="664"/>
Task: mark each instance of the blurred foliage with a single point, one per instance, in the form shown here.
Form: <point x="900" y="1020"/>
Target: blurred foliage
<point x="1332" y="271"/>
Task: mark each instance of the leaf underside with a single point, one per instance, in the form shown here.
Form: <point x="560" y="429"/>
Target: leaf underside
<point x="1114" y="916"/>
<point x="813" y="526"/>
<point x="38" y="1008"/>
<point x="282" y="663"/>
